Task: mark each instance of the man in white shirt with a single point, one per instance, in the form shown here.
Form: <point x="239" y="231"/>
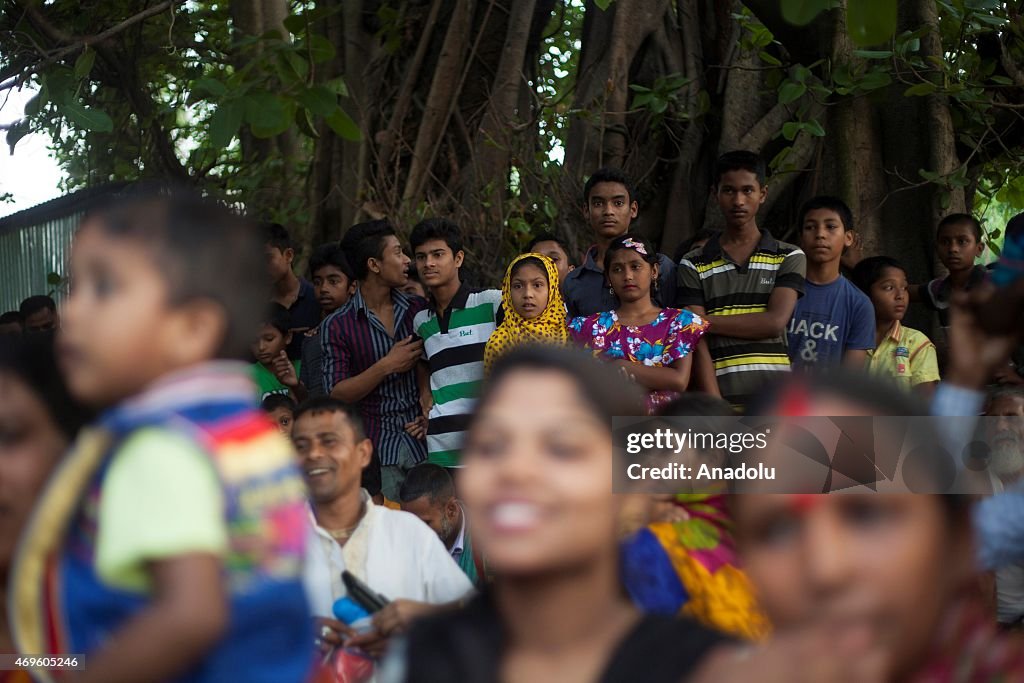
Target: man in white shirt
<point x="393" y="552"/>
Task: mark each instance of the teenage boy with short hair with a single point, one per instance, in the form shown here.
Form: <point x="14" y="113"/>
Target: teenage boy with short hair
<point x="454" y="328"/>
<point x="834" y="322"/>
<point x="370" y="356"/>
<point x="334" y="284"/>
<point x="609" y="206"/>
<point x="294" y="293"/>
<point x="744" y="282"/>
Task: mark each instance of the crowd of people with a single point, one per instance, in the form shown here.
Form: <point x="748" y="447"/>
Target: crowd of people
<point x="213" y="469"/>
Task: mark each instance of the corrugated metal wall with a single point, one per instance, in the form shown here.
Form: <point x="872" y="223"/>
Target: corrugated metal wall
<point x="28" y="255"/>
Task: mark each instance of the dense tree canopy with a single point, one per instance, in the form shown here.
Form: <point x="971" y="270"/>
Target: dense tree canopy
<point x="320" y="113"/>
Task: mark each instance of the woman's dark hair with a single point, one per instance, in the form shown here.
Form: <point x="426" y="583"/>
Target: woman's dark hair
<point x="598" y="385"/>
<point x="695" y="403"/>
<point x="32" y="361"/>
<point x="620" y="244"/>
<point x="869" y="271"/>
<point x="872" y="393"/>
<point x="529" y="261"/>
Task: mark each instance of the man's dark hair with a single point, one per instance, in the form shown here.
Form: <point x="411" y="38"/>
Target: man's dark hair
<point x="34" y="304"/>
<point x="956" y="219"/>
<point x="868" y="271"/>
<point x="739" y="160"/>
<point x="12" y="317"/>
<point x="830" y="204"/>
<point x="427" y="479"/>
<point x="278" y="317"/>
<point x="327" y="404"/>
<point x="695" y="403"/>
<point x="436" y="229"/>
<point x="276" y="235"/>
<point x="275" y="401"/>
<point x="608" y="174"/>
<point x="32" y="361"/>
<point x="330" y="254"/>
<point x="203" y="250"/>
<point x="549" y="237"/>
<point x="365" y="241"/>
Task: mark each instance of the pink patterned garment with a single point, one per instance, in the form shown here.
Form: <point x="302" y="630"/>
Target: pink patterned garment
<point x="672" y="335"/>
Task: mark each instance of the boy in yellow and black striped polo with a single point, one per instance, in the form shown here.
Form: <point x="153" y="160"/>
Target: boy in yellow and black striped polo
<point x="748" y="302"/>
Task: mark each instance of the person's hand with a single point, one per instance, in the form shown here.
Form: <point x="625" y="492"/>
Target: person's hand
<point x="417" y="428"/>
<point x="372" y="643"/>
<point x="426" y="403"/>
<point x="404" y="355"/>
<point x="974" y="354"/>
<point x="284" y="370"/>
<point x="805" y="658"/>
<point x="665" y="509"/>
<point x="331" y="633"/>
<point x="623" y="368"/>
<point x="398" y="614"/>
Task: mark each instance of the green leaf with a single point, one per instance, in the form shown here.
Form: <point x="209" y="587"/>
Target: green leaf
<point x="298" y="63"/>
<point x="873" y="80"/>
<point x="88" y="118"/>
<point x="296" y="23"/>
<point x="790" y="129"/>
<point x="225" y="122"/>
<point x="603" y="5"/>
<point x="337" y="86"/>
<point x="920" y="89"/>
<point x="269" y="127"/>
<point x="320" y="49"/>
<point x="930" y="176"/>
<point x="210" y="86"/>
<point x="304" y="120"/>
<point x="83" y="65"/>
<point x="945" y="199"/>
<point x="803" y="12"/>
<point x="815" y="128"/>
<point x="1002" y="80"/>
<point x="801" y="74"/>
<point x="60" y="85"/>
<point x="870" y="22"/>
<point x="768" y="58"/>
<point x="342" y="124"/>
<point x="53" y="279"/>
<point x="873" y="54"/>
<point x="264" y="110"/>
<point x="790" y="92"/>
<point x="319" y="100"/>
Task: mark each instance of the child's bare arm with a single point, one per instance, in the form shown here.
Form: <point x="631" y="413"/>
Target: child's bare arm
<point x="703" y="373"/>
<point x="186" y="617"/>
<point x="769" y="323"/>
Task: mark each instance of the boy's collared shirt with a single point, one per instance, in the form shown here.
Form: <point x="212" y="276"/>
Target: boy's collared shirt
<point x="454" y="347"/>
<point x="709" y="277"/>
<point x="827" y="321"/>
<point x="586" y="292"/>
<point x="906" y="355"/>
<point x="353" y="339"/>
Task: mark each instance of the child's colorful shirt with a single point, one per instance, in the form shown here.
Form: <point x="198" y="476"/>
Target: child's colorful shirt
<point x="906" y="355"/>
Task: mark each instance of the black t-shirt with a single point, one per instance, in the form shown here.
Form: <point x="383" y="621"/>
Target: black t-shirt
<point x="466" y="646"/>
<point x="305" y="314"/>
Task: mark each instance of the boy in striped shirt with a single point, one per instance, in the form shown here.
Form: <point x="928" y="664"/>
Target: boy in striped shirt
<point x="454" y="329"/>
<point x="744" y="282"/>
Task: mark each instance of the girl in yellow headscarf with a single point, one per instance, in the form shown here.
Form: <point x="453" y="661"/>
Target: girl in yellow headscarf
<point x="534" y="311"/>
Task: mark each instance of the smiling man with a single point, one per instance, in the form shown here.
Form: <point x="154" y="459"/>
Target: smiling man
<point x="393" y="552"/>
<point x="454" y="328"/>
<point x="609" y="206"/>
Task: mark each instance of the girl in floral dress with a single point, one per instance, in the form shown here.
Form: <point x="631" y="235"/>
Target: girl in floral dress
<point x="649" y="343"/>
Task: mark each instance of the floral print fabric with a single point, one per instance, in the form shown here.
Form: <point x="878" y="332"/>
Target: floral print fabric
<point x="672" y="335"/>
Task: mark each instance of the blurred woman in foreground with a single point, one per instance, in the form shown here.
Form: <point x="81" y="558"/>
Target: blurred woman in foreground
<point x="537" y="490"/>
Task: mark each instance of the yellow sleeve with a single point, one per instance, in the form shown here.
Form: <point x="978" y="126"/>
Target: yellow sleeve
<point x="924" y="364"/>
<point x="161" y="498"/>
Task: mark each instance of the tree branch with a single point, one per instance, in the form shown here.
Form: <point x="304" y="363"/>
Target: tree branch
<point x="57" y="35"/>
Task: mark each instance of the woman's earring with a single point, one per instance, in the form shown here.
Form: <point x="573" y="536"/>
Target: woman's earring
<point x="654" y="285"/>
<point x="611" y="291"/>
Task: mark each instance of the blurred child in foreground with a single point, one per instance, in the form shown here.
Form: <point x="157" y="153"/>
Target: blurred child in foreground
<point x="170" y="543"/>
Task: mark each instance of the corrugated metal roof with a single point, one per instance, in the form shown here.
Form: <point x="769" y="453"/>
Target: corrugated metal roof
<point x="70" y="204"/>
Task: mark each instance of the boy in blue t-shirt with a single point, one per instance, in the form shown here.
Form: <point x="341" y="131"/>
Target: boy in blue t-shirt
<point x="833" y="323"/>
